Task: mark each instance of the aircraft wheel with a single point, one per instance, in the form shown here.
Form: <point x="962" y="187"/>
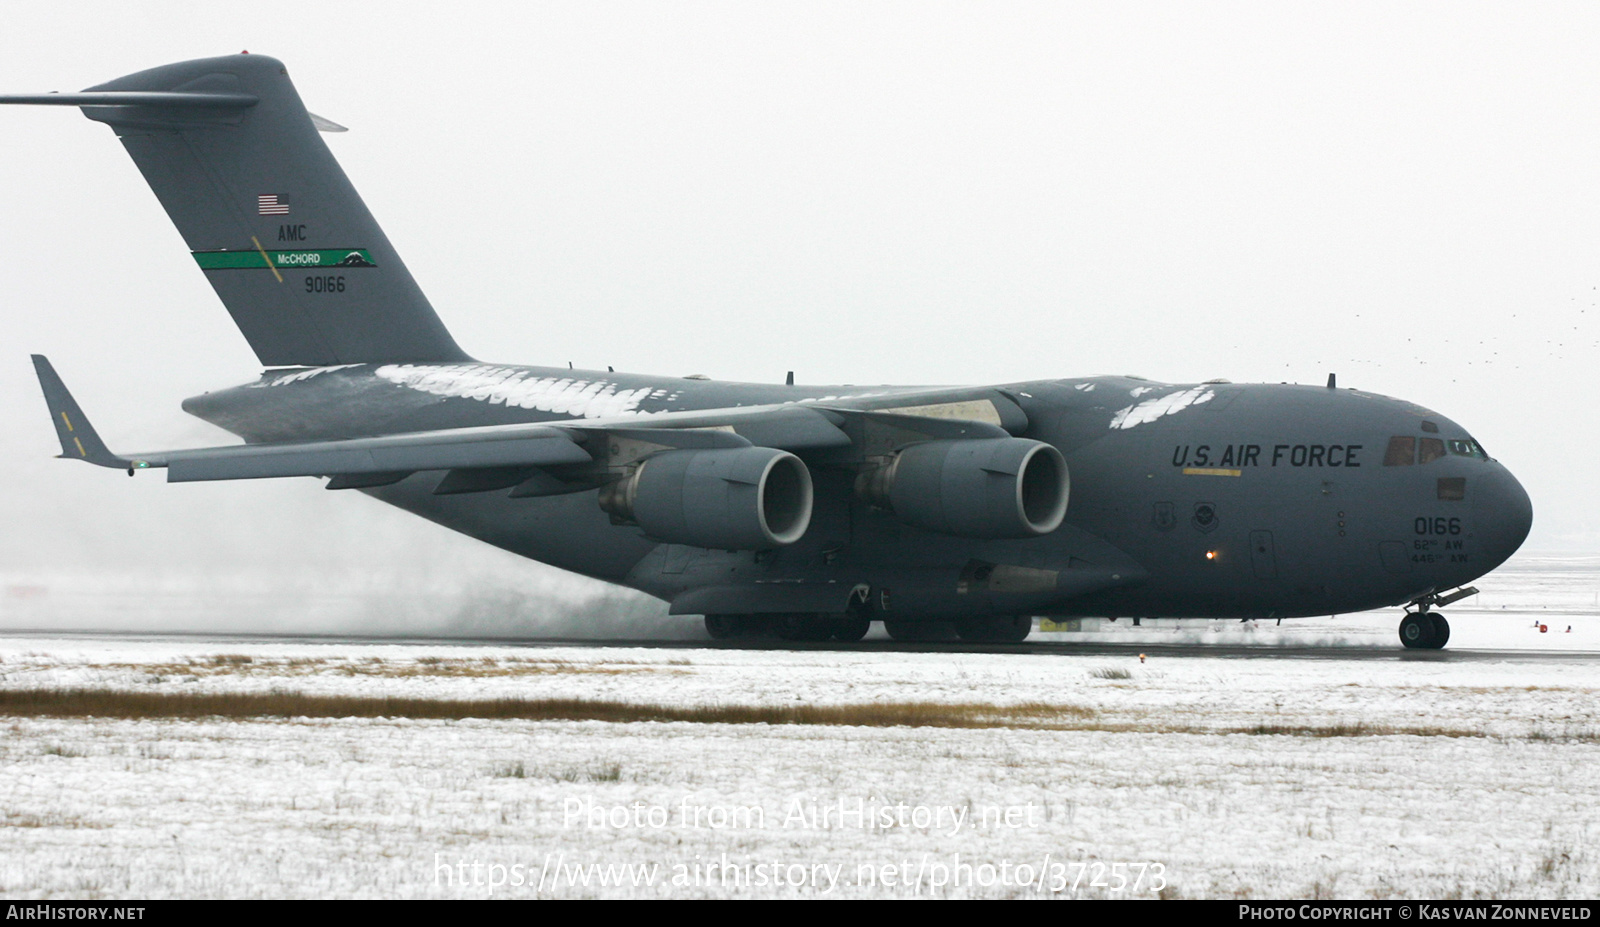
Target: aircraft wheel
<point x="802" y="627"/>
<point x="850" y="629"/>
<point x="903" y="630"/>
<point x="1441" y="629"/>
<point x="1416" y="632"/>
<point x="1002" y="629"/>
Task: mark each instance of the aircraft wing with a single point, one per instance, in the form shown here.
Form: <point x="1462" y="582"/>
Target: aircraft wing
<point x="547" y="458"/>
<point x="513" y="445"/>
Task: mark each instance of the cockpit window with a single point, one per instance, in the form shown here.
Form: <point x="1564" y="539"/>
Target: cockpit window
<point x="1430" y="428"/>
<point x="1402" y="451"/>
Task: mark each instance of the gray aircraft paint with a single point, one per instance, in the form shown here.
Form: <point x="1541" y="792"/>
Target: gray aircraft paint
<point x="1186" y="499"/>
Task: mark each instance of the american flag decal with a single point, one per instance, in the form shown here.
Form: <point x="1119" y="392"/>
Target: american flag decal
<point x="272" y="204"/>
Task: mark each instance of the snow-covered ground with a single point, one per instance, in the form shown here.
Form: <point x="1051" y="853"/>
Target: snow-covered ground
<point x="1194" y="776"/>
<point x="1555" y="591"/>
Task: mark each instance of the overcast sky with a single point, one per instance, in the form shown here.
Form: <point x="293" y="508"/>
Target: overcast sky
<point x="1404" y="194"/>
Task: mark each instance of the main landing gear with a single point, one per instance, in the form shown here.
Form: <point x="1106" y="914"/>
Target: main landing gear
<point x="901" y="629"/>
<point x="790" y="627"/>
<point x="1427" y="630"/>
<point x="851" y="627"/>
<point x="992" y="629"/>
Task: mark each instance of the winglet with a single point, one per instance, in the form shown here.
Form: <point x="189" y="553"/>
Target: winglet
<point x="78" y="438"/>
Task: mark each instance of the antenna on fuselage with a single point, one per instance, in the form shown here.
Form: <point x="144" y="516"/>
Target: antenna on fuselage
<point x="1331" y="382"/>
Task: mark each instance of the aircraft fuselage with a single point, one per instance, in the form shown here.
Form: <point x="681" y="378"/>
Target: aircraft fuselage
<point x="1203" y="500"/>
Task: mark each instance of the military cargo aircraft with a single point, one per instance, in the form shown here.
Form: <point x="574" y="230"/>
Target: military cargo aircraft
<point x="799" y="512"/>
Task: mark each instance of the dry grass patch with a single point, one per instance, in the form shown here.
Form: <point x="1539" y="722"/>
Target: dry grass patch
<point x="1568" y="734"/>
<point x="1354" y="729"/>
<point x="61" y="750"/>
<point x="113" y="703"/>
<point x="19" y="819"/>
<point x="422" y="667"/>
<point x="128" y="704"/>
<point x="608" y="773"/>
<point x="488" y="667"/>
<point x="1111" y="672"/>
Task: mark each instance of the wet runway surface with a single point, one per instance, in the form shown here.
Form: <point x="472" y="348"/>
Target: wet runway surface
<point x="1046" y="646"/>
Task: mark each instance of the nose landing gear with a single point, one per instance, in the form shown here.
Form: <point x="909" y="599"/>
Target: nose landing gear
<point x="1424" y="631"/>
<point x="1427" y="630"/>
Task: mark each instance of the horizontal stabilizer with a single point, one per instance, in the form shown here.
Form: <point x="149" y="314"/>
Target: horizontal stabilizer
<point x="134" y="98"/>
<point x="78" y="438"/>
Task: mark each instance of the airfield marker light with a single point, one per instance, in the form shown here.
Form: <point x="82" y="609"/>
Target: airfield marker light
<point x="1211" y="555"/>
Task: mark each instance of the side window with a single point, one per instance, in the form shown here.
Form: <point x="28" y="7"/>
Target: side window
<point x="1402" y="451"/>
<point x="1429" y="450"/>
<point x="1465" y="448"/>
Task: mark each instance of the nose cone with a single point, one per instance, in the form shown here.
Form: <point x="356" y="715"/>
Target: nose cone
<point x="1504" y="515"/>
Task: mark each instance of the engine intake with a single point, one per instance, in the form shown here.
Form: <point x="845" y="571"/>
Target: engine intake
<point x="743" y="498"/>
<point x="983" y="488"/>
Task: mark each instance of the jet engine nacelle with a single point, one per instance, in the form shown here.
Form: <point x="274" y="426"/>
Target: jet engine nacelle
<point x="983" y="488"/>
<point x="742" y="498"/>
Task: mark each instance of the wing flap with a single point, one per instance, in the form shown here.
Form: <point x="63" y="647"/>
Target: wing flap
<point x="786" y="427"/>
<point x="426" y="451"/>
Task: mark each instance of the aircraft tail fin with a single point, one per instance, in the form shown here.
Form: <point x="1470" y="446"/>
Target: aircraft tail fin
<point x="79" y="441"/>
<point x="271" y="218"/>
